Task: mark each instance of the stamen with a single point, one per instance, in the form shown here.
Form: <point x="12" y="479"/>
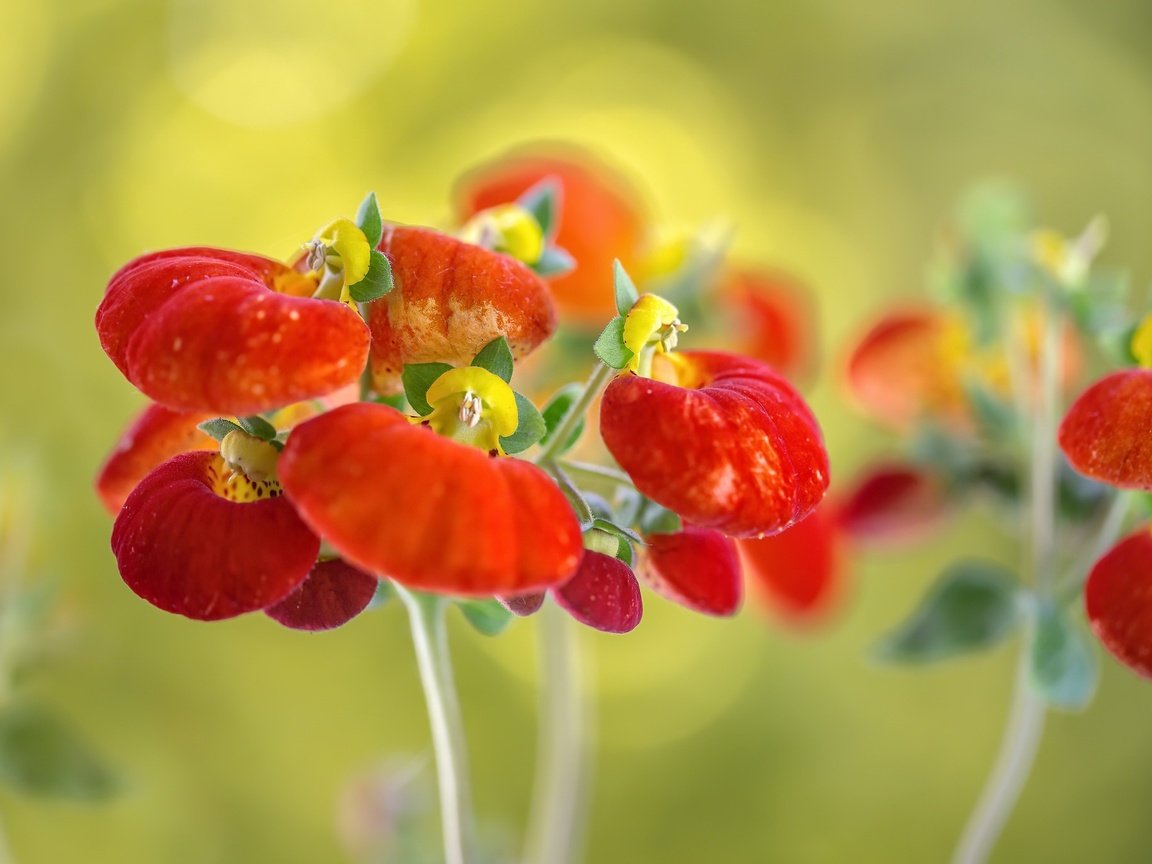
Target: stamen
<point x="471" y="409"/>
<point x="317" y="254"/>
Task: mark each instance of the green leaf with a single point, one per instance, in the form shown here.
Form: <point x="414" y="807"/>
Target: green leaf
<point x="396" y="401"/>
<point x="368" y="219"/>
<point x="543" y="202"/>
<point x="417" y="378"/>
<point x="626" y="293"/>
<point x="489" y="617"/>
<point x="972" y="606"/>
<point x="554" y="413"/>
<point x="996" y="417"/>
<point x="219" y="428"/>
<point x="615" y="530"/>
<point x="624" y="552"/>
<point x="41" y="755"/>
<point x="1063" y="666"/>
<point x="529" y="430"/>
<point x="496" y="357"/>
<point x="376" y="282"/>
<point x="657" y="519"/>
<point x="610" y="345"/>
<point x="258" y="426"/>
<point x="554" y="261"/>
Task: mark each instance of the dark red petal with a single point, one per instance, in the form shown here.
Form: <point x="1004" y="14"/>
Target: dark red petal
<point x="185" y="549"/>
<point x="603" y="594"/>
<point x="892" y="504"/>
<point x="800" y="569"/>
<point x="773" y="318"/>
<point x="697" y="568"/>
<point x="399" y="500"/>
<point x="524" y="604"/>
<point x="155" y="436"/>
<point x="202" y="330"/>
<point x="333" y="594"/>
<point x="451" y="299"/>
<point x="1118" y="599"/>
<point x="1107" y="433"/>
<point x="735" y="448"/>
<point x="601" y="218"/>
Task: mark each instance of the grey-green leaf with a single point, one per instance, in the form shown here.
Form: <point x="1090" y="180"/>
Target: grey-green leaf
<point x="417" y="378"/>
<point x="657" y="519"/>
<point x="616" y="530"/>
<point x="376" y="282"/>
<point x="543" y="202"/>
<point x="626" y="293"/>
<point x="972" y="606"/>
<point x="554" y="413"/>
<point x="258" y="426"/>
<point x="554" y="261"/>
<point x="489" y="617"/>
<point x="41" y="755"/>
<point x="1064" y="667"/>
<point x="496" y="357"/>
<point x="610" y="345"/>
<point x="219" y="428"/>
<point x="529" y="429"/>
<point x="369" y="221"/>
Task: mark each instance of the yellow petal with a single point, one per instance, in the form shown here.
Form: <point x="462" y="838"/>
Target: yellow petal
<point x="508" y="228"/>
<point x="647" y="317"/>
<point x="347" y="240"/>
<point x="500" y="410"/>
<point x="1141" y="345"/>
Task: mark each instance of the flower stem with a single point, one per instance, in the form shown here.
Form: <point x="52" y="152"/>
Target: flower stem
<point x="596" y="472"/>
<point x="430" y="639"/>
<point x="596" y="382"/>
<point x="555" y="827"/>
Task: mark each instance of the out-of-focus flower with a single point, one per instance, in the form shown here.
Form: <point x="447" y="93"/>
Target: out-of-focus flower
<point x="696" y="567"/>
<point x="1106" y="432"/>
<point x="772" y="319"/>
<point x="1118" y="601"/>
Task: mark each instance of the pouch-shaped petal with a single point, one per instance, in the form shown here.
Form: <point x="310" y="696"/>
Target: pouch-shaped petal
<point x="186" y="549"/>
<point x="1118" y="600"/>
<point x="399" y="500"/>
<point x="603" y="594"/>
<point x="731" y="445"/>
<point x="697" y="568"/>
<point x="451" y="299"/>
<point x="1107" y="433"/>
<point x="333" y="594"/>
<point x="891" y="504"/>
<point x="211" y="330"/>
<point x="156" y="435"/>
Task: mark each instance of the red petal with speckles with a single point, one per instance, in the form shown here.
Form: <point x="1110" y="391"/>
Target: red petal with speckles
<point x="732" y="446"/>
<point x="1118" y="599"/>
<point x="451" y="299"/>
<point x="604" y="594"/>
<point x="185" y="549"/>
<point x="772" y="319"/>
<point x="800" y="569"/>
<point x="892" y="504"/>
<point x="524" y="604"/>
<point x="600" y="219"/>
<point x="203" y="330"/>
<point x="155" y="436"/>
<point x="399" y="500"/>
<point x="333" y="594"/>
<point x="697" y="568"/>
<point x="1107" y="433"/>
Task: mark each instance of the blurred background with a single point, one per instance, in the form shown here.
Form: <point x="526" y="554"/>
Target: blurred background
<point x="835" y="136"/>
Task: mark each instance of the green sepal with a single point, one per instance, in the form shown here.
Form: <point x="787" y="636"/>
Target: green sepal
<point x="624" y="552"/>
<point x="258" y="427"/>
<point x="396" y="400"/>
<point x="615" y="530"/>
<point x="377" y="281"/>
<point x="489" y="617"/>
<point x="417" y="378"/>
<point x="41" y="755"/>
<point x="610" y="345"/>
<point x="219" y="428"/>
<point x="496" y="357"/>
<point x="657" y="519"/>
<point x="554" y="261"/>
<point x="543" y="202"/>
<point x="1063" y="666"/>
<point x="626" y="293"/>
<point x="554" y="413"/>
<point x="529" y="429"/>
<point x="369" y="221"/>
<point x="972" y="606"/>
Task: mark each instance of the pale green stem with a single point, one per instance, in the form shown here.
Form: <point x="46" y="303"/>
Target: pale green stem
<point x="430" y="639"/>
<point x="1111" y="527"/>
<point x="555" y="828"/>
<point x="596" y="472"/>
<point x="583" y="511"/>
<point x="597" y="381"/>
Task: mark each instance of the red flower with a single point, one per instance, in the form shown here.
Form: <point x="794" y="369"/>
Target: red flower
<point x="211" y="330"/>
<point x="1118" y="600"/>
<point x="1106" y="433"/>
<point x="697" y="568"/>
<point x="728" y="444"/>
<point x="400" y="500"/>
<point x="772" y="319"/>
<point x="451" y="299"/>
<point x="891" y="503"/>
<point x="602" y="594"/>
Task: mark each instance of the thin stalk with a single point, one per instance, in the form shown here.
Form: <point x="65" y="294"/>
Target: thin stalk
<point x="596" y="472"/>
<point x="1110" y="528"/>
<point x="555" y="828"/>
<point x="596" y="382"/>
<point x="430" y="639"/>
<point x="583" y="511"/>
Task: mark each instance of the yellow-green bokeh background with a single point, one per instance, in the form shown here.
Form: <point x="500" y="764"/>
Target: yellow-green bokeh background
<point x="836" y="136"/>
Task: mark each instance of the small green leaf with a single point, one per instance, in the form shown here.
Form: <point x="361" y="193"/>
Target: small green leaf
<point x="489" y="617"/>
<point x="554" y="413"/>
<point x="554" y="261"/>
<point x="417" y="378"/>
<point x="610" y="345"/>
<point x="971" y="606"/>
<point x="543" y="202"/>
<point x="626" y="293"/>
<point x="368" y="219"/>
<point x="996" y="417"/>
<point x="624" y="552"/>
<point x="615" y="530"/>
<point x="258" y="426"/>
<point x="396" y="401"/>
<point x="656" y="519"/>
<point x="41" y="755"/>
<point x="529" y="430"/>
<point x="219" y="428"/>
<point x="385" y="591"/>
<point x="377" y="281"/>
<point x="496" y="357"/>
<point x="1064" y="667"/>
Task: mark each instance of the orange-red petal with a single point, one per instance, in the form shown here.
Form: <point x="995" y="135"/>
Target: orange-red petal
<point x="735" y="448"/>
<point x="185" y="549"/>
<point x="891" y="504"/>
<point x="773" y="317"/>
<point x="398" y="500"/>
<point x="1118" y="600"/>
<point x="1107" y="433"/>
<point x="697" y="568"/>
<point x="451" y="299"/>
<point x="205" y="330"/>
<point x="333" y="594"/>
<point x="603" y="594"/>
